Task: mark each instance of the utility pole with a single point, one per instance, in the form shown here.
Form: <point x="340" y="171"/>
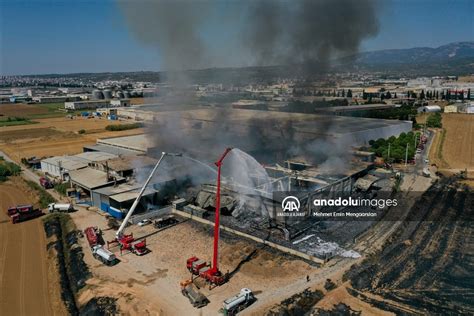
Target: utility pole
<point x="388" y="158"/>
<point x="406" y="156"/>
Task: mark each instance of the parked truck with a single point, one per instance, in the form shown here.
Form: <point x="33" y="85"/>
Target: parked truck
<point x="45" y="183"/>
<point x="92" y="235"/>
<point x="239" y="302"/>
<point x="104" y="255"/>
<point x="24" y="216"/>
<point x="196" y="298"/>
<point x="19" y="209"/>
<point x="57" y="207"/>
<point x="194" y="265"/>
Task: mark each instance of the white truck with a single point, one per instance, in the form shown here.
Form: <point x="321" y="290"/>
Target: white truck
<point x="104" y="255"/>
<point x="57" y="207"/>
<point x="239" y="302"/>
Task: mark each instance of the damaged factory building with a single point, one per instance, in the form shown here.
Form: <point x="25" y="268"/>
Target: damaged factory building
<point x="273" y="154"/>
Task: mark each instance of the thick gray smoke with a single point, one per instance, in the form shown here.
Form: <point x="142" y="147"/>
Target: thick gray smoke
<point x="207" y="33"/>
<point x="306" y="34"/>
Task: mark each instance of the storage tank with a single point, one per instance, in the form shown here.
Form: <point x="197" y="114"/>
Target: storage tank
<point x="107" y="94"/>
<point x="97" y="94"/>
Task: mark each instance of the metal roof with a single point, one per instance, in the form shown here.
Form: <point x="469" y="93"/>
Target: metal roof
<point x="95" y="156"/>
<point x="132" y="195"/>
<point x="67" y="162"/>
<point x="112" y="150"/>
<point x="91" y="178"/>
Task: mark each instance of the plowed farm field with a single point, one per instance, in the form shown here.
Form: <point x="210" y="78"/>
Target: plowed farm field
<point x="56" y="136"/>
<point x="29" y="284"/>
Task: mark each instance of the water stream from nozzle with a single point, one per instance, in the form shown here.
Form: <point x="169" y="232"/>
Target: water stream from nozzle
<point x="201" y="163"/>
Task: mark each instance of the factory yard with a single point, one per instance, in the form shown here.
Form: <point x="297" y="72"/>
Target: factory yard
<point x="151" y="283"/>
<point x="56" y="136"/>
<point x="29" y="282"/>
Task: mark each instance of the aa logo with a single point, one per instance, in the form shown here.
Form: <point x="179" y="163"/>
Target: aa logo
<point x="290" y="204"/>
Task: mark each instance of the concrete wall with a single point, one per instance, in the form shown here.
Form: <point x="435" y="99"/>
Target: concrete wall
<point x="50" y="169"/>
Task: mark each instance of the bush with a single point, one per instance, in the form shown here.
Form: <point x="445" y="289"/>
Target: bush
<point x="123" y="127"/>
<point x="81" y="131"/>
<point x="61" y="188"/>
<point x="8" y="169"/>
<point x="434" y="120"/>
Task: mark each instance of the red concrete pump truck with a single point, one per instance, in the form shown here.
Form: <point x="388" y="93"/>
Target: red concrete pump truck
<point x="211" y="274"/>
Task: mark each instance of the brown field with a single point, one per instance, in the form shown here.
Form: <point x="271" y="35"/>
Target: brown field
<point x="466" y="78"/>
<point x="56" y="136"/>
<point x="23" y="110"/>
<point x="29" y="284"/>
<point x="457" y="149"/>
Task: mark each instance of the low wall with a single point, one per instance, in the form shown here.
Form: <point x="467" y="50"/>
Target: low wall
<point x="257" y="239"/>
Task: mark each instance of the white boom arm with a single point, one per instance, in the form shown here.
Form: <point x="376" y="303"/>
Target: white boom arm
<point x="137" y="200"/>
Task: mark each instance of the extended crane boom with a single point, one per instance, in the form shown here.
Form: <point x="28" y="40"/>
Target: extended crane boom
<point x="119" y="232"/>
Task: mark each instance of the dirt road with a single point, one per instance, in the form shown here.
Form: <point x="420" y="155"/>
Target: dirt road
<point x="26" y="282"/>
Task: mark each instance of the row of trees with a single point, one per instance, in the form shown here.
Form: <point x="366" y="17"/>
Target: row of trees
<point x="394" y="148"/>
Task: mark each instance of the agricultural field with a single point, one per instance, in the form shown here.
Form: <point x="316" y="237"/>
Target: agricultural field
<point x="31" y="111"/>
<point x="55" y="135"/>
<point x="425" y="267"/>
<point x="29" y="282"/>
<point x="453" y="146"/>
<point x="458" y="147"/>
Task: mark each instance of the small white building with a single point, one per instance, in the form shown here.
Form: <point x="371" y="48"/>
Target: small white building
<point x="429" y="109"/>
<point x="451" y="109"/>
<point x="60" y="166"/>
<point x="119" y="103"/>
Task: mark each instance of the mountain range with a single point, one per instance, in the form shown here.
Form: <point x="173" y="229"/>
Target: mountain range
<point x="454" y="58"/>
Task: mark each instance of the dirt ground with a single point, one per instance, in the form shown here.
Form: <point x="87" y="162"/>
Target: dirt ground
<point x="29" y="284"/>
<point x="56" y="136"/>
<point x="150" y="284"/>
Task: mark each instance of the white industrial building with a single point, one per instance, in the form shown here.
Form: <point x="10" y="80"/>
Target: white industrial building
<point x="61" y="166"/>
<point x="94" y="104"/>
<point x="79" y="105"/>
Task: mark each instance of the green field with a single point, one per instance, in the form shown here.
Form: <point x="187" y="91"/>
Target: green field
<point x="15" y="120"/>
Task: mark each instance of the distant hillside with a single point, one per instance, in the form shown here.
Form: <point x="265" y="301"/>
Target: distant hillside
<point x="450" y="59"/>
<point x="455" y="58"/>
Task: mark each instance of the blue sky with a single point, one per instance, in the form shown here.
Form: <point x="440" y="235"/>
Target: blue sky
<point x="41" y="36"/>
